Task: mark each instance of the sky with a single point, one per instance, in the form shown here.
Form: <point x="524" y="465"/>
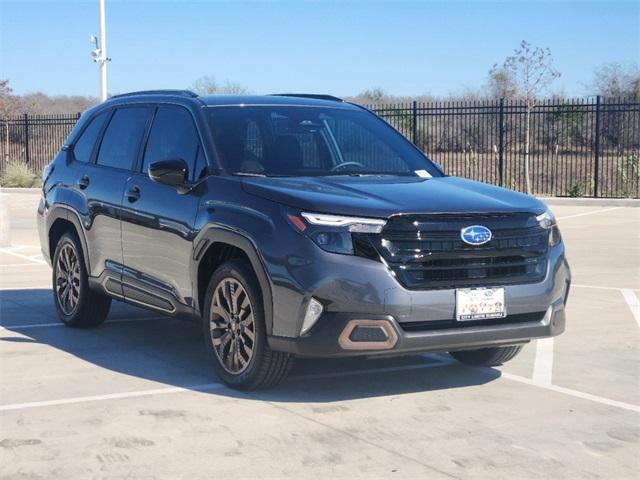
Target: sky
<point x="335" y="47"/>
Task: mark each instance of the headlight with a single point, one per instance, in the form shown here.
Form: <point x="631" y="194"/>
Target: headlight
<point x="46" y="171"/>
<point x="333" y="233"/>
<point x="547" y="220"/>
<point x="353" y="224"/>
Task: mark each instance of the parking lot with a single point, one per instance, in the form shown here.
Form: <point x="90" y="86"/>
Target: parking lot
<point x="136" y="397"/>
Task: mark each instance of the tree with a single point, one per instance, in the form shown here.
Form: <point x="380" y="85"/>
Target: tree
<point x="501" y="83"/>
<point x="616" y="80"/>
<point x="531" y="70"/>
<point x="208" y="85"/>
<point x="9" y="103"/>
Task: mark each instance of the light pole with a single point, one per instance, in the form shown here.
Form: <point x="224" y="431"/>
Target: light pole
<point x="99" y="52"/>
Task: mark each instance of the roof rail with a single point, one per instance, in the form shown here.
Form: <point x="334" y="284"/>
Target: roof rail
<point x="183" y="93"/>
<point x="318" y="96"/>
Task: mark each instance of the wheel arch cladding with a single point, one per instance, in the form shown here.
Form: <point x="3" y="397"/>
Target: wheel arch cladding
<point x="218" y="245"/>
<point x="62" y="220"/>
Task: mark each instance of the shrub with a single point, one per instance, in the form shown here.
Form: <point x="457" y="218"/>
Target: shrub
<point x="20" y="175"/>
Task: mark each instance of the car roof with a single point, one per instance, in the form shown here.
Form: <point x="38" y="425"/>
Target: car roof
<point x="280" y="99"/>
<point x="186" y="96"/>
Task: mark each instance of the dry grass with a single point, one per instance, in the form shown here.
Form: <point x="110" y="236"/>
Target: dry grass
<point x="18" y="174"/>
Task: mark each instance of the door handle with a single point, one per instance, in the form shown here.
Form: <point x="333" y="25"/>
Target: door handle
<point x="83" y="182"/>
<point x="133" y="194"/>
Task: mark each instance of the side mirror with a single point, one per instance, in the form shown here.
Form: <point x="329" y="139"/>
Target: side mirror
<point x="174" y="173"/>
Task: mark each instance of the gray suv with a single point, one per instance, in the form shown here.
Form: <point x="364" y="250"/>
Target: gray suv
<point x="293" y="225"/>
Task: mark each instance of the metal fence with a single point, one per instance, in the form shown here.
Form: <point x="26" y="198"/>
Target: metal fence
<point x="578" y="147"/>
<point x="33" y="139"/>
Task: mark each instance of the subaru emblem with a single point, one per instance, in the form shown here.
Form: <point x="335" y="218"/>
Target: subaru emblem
<point x="475" y="235"/>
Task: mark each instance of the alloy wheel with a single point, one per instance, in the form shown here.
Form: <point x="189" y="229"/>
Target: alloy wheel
<point x="232" y="326"/>
<point x="68" y="279"/>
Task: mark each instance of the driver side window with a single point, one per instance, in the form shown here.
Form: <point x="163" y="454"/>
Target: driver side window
<point x="174" y="136"/>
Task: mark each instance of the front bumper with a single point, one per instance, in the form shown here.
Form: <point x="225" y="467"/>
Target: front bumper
<point x="324" y="342"/>
<point x="423" y="321"/>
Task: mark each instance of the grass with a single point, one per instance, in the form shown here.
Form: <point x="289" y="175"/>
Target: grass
<point x="18" y="174"/>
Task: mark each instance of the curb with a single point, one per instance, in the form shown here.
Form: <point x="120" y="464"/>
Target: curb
<point x="592" y="202"/>
<point x="20" y="190"/>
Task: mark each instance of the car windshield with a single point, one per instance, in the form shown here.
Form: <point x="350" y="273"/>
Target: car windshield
<point x="312" y="141"/>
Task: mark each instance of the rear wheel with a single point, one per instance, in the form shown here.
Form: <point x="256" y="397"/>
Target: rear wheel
<point x="487" y="357"/>
<point x="235" y="332"/>
<point x="76" y="303"/>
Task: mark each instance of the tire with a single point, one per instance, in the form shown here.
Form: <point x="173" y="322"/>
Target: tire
<point x="229" y="327"/>
<point x="81" y="307"/>
<point x="487" y="357"/>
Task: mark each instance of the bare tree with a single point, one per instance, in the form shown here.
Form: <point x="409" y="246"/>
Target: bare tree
<point x="9" y="103"/>
<point x="532" y="71"/>
<point x="208" y="85"/>
<point x="616" y="80"/>
<point x="502" y="84"/>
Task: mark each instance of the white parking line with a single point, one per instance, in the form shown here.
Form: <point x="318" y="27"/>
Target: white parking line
<point x="597" y="286"/>
<point x="573" y="393"/>
<point x="113" y="396"/>
<point x="30" y="264"/>
<point x="543" y="364"/>
<point x="8" y="252"/>
<point x="592" y="212"/>
<point x="60" y="324"/>
<point x="207" y="387"/>
<point x="13" y="289"/>
<point x="629" y="296"/>
<point x="634" y="304"/>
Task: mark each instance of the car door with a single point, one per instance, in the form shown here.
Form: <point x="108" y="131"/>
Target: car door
<point x="101" y="170"/>
<point x="158" y="222"/>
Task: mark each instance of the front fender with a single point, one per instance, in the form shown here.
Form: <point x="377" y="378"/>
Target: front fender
<point x="221" y="234"/>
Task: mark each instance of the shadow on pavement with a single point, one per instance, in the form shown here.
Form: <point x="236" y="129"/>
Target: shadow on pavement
<point x="170" y="351"/>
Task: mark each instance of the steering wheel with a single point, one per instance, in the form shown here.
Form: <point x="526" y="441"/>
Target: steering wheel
<point x="345" y="164"/>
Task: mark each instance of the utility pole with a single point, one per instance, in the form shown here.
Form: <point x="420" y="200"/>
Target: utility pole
<point x="99" y="52"/>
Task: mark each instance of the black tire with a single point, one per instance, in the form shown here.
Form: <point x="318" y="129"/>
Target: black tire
<point x="263" y="367"/>
<point x="487" y="357"/>
<point x="91" y="308"/>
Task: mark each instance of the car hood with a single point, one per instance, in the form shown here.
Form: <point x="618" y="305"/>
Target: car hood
<point x="381" y="196"/>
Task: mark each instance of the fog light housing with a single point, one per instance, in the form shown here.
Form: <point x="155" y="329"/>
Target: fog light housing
<point x="314" y="310"/>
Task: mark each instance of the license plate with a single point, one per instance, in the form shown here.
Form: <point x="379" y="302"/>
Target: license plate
<point x="480" y="304"/>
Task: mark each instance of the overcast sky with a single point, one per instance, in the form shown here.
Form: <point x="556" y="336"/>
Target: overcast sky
<point x="340" y="48"/>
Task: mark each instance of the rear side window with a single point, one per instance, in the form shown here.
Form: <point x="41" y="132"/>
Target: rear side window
<point x="173" y="136"/>
<point x="121" y="141"/>
<point x="83" y="147"/>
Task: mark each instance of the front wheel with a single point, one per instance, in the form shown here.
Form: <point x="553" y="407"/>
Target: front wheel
<point x="235" y="331"/>
<point x="487" y="357"/>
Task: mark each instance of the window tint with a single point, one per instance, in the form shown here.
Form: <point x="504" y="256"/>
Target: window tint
<point x="173" y="136"/>
<point x="121" y="140"/>
<point x="361" y="146"/>
<point x="296" y="140"/>
<point x="83" y="147"/>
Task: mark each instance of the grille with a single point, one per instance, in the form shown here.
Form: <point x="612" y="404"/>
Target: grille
<point x="426" y="251"/>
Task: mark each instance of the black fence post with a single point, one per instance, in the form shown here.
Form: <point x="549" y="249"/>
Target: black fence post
<point x="596" y="173"/>
<point x="414" y="133"/>
<point x="27" y="156"/>
<point x="501" y="143"/>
